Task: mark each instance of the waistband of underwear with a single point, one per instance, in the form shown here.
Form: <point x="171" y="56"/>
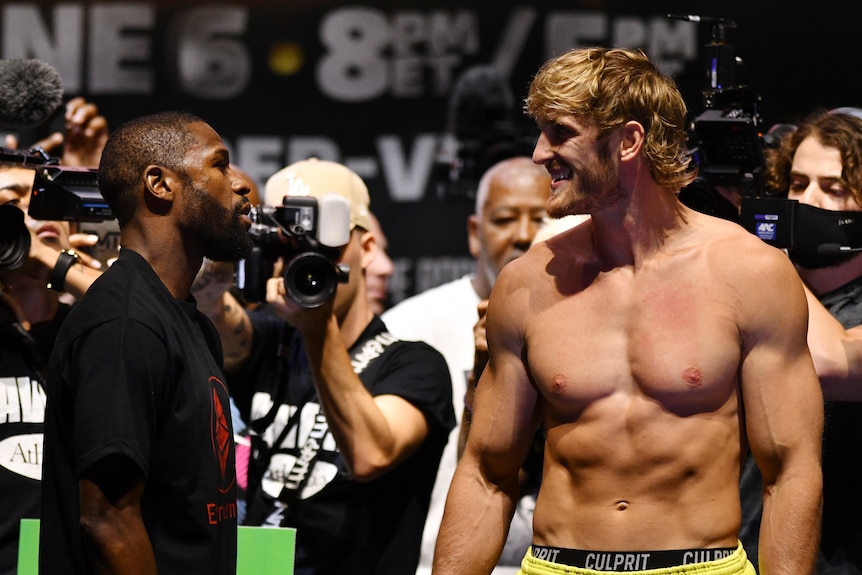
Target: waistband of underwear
<point x="628" y="560"/>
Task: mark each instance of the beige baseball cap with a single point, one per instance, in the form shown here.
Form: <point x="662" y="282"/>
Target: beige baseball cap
<point x="314" y="177"/>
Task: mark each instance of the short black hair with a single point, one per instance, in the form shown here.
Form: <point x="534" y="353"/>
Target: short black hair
<point x="161" y="139"/>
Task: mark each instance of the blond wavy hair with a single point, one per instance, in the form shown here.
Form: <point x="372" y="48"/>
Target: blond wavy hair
<point x="608" y="87"/>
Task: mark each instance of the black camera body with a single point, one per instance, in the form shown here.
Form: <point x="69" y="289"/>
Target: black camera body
<point x="14" y="237"/>
<point x="308" y="234"/>
<point x="71" y="194"/>
<point x="725" y="142"/>
<point x="60" y="193"/>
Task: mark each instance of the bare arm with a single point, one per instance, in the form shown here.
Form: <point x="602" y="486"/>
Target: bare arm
<point x="42" y="258"/>
<point x="111" y="524"/>
<point x="837" y="353"/>
<point x="211" y="292"/>
<point x="485" y="488"/>
<point x="373" y="433"/>
<point x="784" y="419"/>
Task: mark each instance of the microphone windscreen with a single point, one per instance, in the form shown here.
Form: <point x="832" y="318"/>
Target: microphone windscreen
<point x="30" y="91"/>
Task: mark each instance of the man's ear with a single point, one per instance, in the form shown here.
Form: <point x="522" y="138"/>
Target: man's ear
<point x="161" y="183"/>
<point x="631" y="139"/>
<point x="473" y="241"/>
<point x="368" y="245"/>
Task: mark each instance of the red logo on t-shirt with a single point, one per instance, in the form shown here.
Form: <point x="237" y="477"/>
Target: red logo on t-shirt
<point x="222" y="435"/>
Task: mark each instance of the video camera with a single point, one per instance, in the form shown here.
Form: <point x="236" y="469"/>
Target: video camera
<point x="308" y="233"/>
<point x="725" y="141"/>
<point x="729" y="151"/>
<point x="59" y="193"/>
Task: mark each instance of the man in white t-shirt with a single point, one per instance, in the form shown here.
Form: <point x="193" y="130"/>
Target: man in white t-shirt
<point x="510" y="209"/>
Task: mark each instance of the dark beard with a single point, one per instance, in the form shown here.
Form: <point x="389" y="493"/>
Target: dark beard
<point x="220" y="230"/>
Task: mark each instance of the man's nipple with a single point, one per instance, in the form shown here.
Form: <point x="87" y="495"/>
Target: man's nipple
<point x="692" y="377"/>
<point x="559" y="383"/>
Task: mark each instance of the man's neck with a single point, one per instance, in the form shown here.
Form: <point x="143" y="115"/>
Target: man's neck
<point x="172" y="262"/>
<point x="637" y="227"/>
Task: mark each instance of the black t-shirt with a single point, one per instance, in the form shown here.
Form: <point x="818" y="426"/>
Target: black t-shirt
<point x="136" y="373"/>
<point x="22" y="415"/>
<point x="841" y="532"/>
<point x="343" y="526"/>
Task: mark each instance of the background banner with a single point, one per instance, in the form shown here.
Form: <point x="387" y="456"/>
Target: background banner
<point x="369" y="83"/>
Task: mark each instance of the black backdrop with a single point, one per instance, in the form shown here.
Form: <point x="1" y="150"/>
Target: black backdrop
<point x="367" y="83"/>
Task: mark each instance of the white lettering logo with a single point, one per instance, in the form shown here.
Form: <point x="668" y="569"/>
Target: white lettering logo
<point x="22" y="454"/>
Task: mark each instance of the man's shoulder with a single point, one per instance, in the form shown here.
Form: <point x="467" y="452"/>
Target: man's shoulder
<point x="739" y="247"/>
<point x="125" y="292"/>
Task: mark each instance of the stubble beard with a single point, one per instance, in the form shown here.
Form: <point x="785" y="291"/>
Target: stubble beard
<point x="591" y="189"/>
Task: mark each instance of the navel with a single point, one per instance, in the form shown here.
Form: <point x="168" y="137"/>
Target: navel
<point x="692" y="377"/>
<point x="622" y="505"/>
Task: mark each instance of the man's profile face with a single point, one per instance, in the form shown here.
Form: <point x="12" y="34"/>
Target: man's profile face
<point x="583" y="168"/>
<point x="815" y="178"/>
<point x="213" y="203"/>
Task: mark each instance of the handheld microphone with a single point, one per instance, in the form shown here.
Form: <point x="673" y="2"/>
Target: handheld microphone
<point x="833" y="248"/>
<point x="30" y="91"/>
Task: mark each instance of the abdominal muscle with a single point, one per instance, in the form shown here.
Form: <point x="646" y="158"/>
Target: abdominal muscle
<point x="628" y="475"/>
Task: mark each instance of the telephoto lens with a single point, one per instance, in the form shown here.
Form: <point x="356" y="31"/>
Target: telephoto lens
<point x="14" y="237"/>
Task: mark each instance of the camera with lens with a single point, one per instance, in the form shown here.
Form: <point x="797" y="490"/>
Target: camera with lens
<point x="308" y="233"/>
<point x="14" y="237"/>
<point x="59" y="193"/>
<point x="725" y="142"/>
<point x="730" y="151"/>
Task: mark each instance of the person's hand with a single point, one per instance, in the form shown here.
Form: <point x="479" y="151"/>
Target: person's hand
<point x="480" y="338"/>
<point x="80" y="243"/>
<point x="86" y="133"/>
<point x="311" y="322"/>
<point x="43" y="256"/>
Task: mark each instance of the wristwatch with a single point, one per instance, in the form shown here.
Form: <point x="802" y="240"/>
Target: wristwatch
<point x="57" y="277"/>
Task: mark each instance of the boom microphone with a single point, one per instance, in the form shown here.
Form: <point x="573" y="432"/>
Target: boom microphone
<point x="30" y="91"/>
<point x="833" y="248"/>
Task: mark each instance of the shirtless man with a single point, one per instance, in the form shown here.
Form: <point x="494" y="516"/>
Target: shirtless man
<point x="655" y="344"/>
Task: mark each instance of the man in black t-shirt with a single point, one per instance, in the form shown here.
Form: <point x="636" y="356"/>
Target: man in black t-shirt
<point x="347" y="423"/>
<point x="139" y="469"/>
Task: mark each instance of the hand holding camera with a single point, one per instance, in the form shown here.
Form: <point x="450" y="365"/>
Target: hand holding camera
<point x="308" y="233"/>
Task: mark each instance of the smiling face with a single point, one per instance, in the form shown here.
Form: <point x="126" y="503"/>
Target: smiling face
<point x="16" y="187"/>
<point x="584" y="171"/>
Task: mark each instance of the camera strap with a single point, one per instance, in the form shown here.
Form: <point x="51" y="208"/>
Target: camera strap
<point x="373" y="344"/>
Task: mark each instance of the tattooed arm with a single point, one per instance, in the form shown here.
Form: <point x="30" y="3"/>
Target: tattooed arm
<point x="211" y="290"/>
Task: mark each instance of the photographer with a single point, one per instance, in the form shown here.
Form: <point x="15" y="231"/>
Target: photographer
<point x="32" y="314"/>
<point x="347" y="423"/>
